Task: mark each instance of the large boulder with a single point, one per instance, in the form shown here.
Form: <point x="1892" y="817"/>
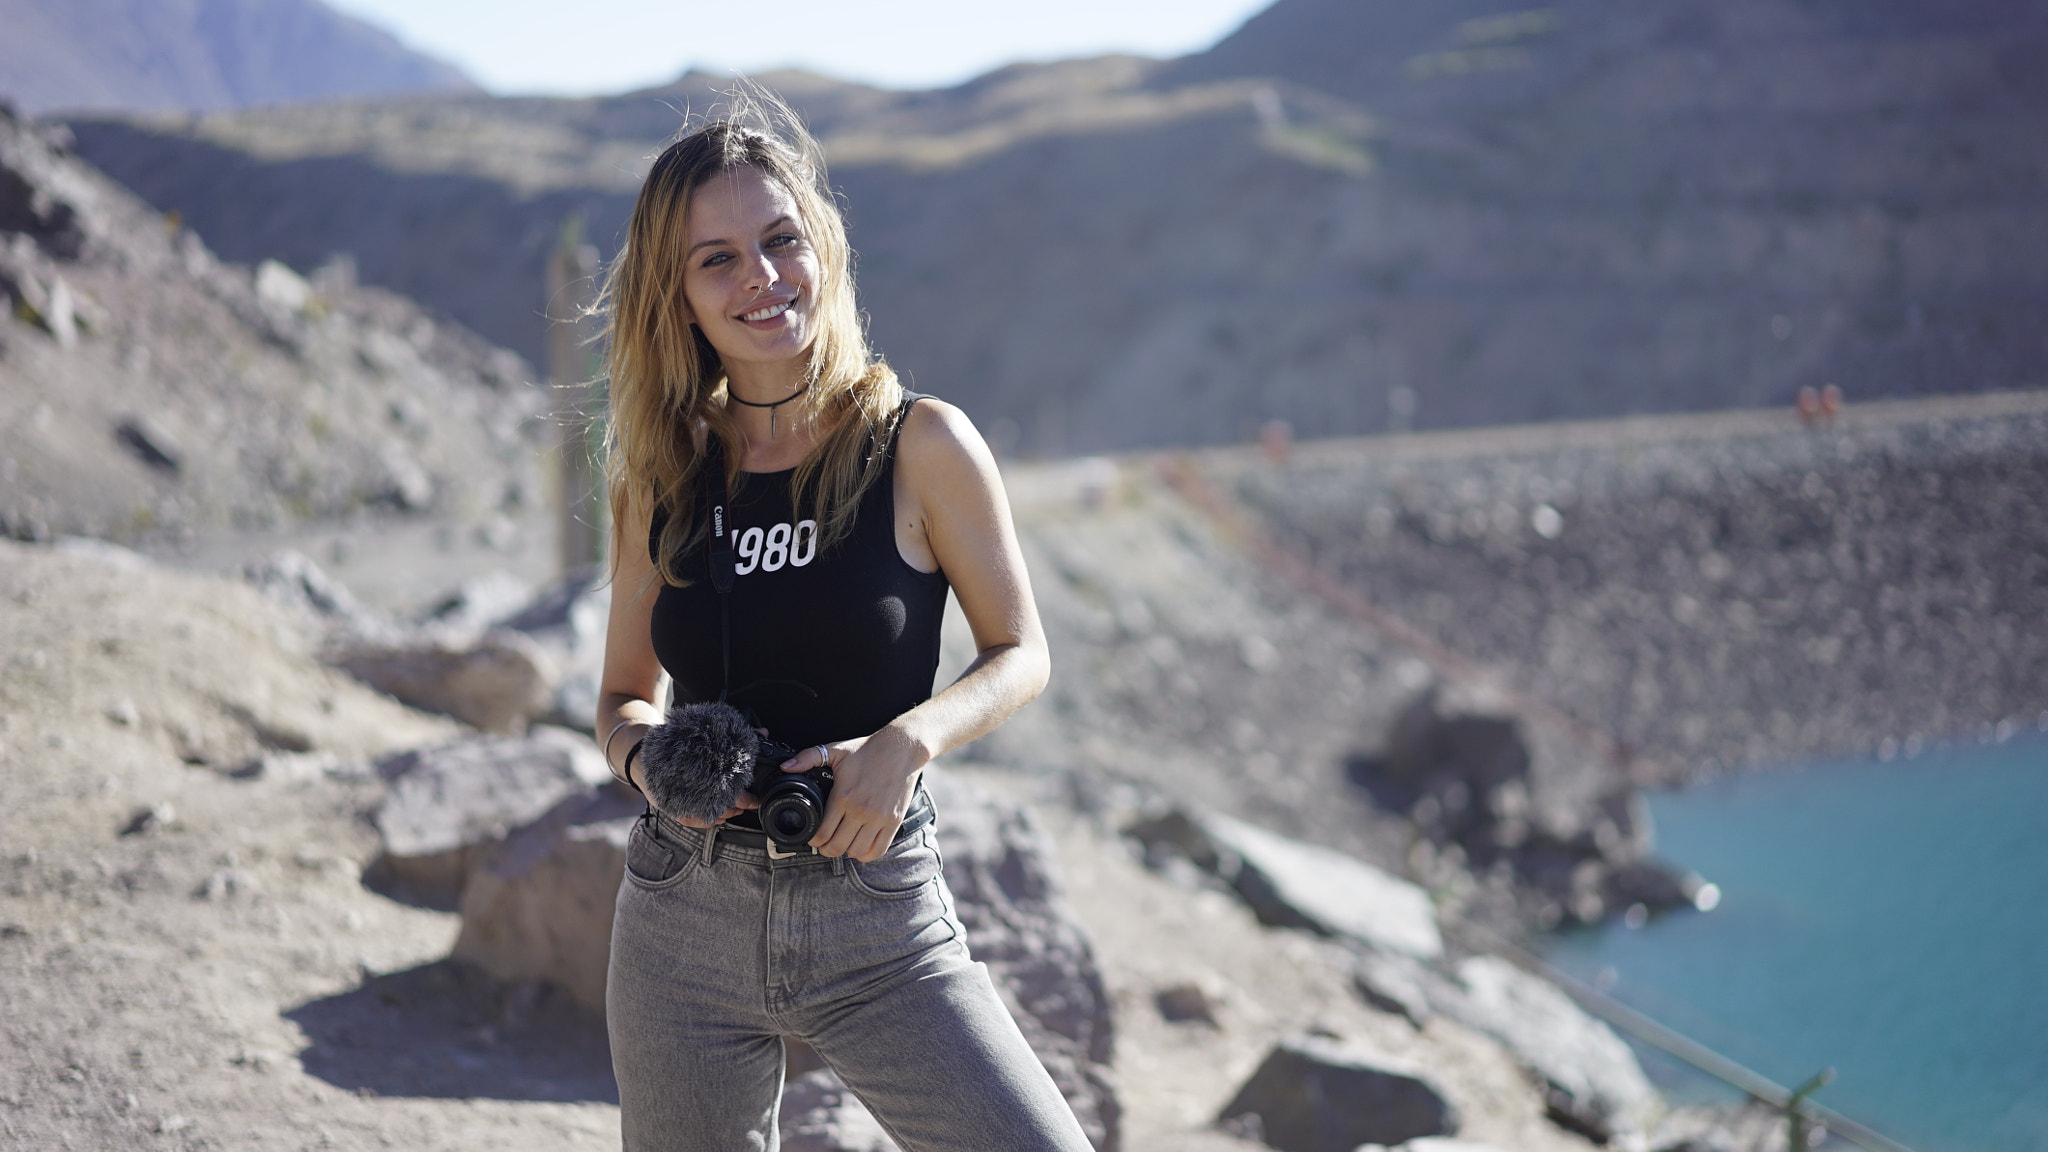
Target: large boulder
<point x="449" y="803"/>
<point x="496" y="682"/>
<point x="1593" y="1082"/>
<point x="1474" y="776"/>
<point x="539" y="905"/>
<point x="1295" y="885"/>
<point x="1000" y="867"/>
<point x="1313" y="1094"/>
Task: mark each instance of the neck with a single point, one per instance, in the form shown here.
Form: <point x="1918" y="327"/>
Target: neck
<point x="766" y="409"/>
<point x="764" y="384"/>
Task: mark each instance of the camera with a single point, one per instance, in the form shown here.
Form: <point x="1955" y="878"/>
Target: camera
<point x="706" y="754"/>
<point x="792" y="803"/>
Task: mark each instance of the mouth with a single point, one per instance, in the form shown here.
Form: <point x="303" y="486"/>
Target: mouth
<point x="768" y="312"/>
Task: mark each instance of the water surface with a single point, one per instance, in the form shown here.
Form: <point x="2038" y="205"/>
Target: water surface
<point x="1886" y="919"/>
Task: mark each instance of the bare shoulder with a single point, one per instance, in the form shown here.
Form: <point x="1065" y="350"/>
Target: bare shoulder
<point x="941" y="437"/>
<point x="938" y="442"/>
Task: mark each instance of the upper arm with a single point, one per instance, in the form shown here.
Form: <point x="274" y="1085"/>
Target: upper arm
<point x="953" y="486"/>
<point x="630" y="667"/>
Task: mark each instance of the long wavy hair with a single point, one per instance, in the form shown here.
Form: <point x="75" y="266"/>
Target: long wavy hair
<point x="666" y="381"/>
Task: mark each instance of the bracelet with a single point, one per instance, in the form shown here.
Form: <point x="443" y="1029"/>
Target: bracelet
<point x="627" y="776"/>
<point x="608" y="743"/>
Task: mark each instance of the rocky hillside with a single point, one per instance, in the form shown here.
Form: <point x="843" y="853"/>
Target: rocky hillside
<point x="1711" y="594"/>
<point x="151" y="394"/>
<point x="200" y="54"/>
<point x="1352" y="217"/>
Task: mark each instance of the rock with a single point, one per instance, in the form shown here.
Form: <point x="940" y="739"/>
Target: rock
<point x="1295" y="885"/>
<point x="479" y="603"/>
<point x="568" y="621"/>
<point x="292" y="577"/>
<point x="279" y="287"/>
<point x="149" y="444"/>
<point x="1655" y="886"/>
<point x="1594" y="1084"/>
<point x="294" y="766"/>
<point x="819" y="1114"/>
<point x="1312" y="1094"/>
<point x="154" y="818"/>
<point x="450" y="802"/>
<point x="1185" y="1003"/>
<point x="1459" y="762"/>
<point x="539" y="905"/>
<point x="497" y="683"/>
<point x="1000" y="867"/>
<point x="1394" y="984"/>
<point x="1446" y="736"/>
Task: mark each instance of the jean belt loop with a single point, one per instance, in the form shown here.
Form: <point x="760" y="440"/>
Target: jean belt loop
<point x="710" y="846"/>
<point x="839" y="865"/>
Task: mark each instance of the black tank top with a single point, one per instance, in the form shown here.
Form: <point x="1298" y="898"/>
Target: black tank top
<point x="827" y="644"/>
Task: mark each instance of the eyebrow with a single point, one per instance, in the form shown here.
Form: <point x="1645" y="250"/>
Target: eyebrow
<point x="778" y="222"/>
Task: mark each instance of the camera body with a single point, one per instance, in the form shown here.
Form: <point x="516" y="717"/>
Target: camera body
<point x="792" y="803"/>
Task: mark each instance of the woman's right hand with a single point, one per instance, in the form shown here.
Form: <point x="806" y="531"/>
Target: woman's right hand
<point x="744" y="801"/>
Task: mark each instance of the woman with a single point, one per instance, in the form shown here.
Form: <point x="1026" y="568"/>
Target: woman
<point x="740" y="377"/>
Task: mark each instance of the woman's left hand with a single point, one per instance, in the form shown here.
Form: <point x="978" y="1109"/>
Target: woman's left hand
<point x="873" y="781"/>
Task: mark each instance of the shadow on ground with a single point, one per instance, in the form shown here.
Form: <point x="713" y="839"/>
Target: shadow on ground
<point x="449" y="1030"/>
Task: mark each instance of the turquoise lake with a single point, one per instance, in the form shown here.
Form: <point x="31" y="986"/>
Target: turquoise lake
<point x="1886" y="919"/>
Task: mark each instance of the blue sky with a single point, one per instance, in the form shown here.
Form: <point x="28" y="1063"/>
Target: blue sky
<point x="599" y="46"/>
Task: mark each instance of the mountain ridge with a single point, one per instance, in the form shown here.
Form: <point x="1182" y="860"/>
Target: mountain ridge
<point x="1555" y="213"/>
<point x="194" y="55"/>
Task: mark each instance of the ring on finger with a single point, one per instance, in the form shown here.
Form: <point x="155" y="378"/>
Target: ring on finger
<point x="824" y="756"/>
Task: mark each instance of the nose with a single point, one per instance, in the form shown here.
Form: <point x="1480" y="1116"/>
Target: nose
<point x="761" y="273"/>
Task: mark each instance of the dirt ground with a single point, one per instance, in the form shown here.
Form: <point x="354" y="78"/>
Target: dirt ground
<point x="188" y="958"/>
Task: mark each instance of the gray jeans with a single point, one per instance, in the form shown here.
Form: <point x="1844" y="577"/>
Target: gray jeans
<point x="718" y="952"/>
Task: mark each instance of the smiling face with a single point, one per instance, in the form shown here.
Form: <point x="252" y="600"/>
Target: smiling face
<point x="749" y="276"/>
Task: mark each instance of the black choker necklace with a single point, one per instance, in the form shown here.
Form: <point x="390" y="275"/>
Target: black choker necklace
<point x="770" y="406"/>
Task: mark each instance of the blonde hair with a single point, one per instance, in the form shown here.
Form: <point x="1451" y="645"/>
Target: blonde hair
<point x="666" y="379"/>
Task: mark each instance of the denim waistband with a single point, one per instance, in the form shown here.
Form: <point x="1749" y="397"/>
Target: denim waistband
<point x="751" y="845"/>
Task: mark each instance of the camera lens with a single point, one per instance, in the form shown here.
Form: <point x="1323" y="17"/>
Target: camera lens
<point x="790" y="820"/>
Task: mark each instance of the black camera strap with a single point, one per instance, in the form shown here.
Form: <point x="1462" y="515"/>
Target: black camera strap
<point x="716" y="491"/>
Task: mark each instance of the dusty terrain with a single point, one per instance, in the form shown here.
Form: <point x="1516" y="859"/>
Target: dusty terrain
<point x="191" y="959"/>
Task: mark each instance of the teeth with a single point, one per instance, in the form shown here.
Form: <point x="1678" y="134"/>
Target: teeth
<point x="769" y="312"/>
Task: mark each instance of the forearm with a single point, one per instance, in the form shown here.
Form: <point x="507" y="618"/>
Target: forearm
<point x="1002" y="679"/>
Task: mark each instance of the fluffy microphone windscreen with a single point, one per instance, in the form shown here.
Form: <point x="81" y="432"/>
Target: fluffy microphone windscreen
<point x="698" y="762"/>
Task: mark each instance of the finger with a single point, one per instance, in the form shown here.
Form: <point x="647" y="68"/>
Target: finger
<point x="842" y="839"/>
<point x="817" y="755"/>
<point x="874" y="843"/>
<point x="741" y="803"/>
<point x="827" y="829"/>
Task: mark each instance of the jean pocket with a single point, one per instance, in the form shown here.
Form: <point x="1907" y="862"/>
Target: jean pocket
<point x="906" y="869"/>
<point x="651" y="861"/>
